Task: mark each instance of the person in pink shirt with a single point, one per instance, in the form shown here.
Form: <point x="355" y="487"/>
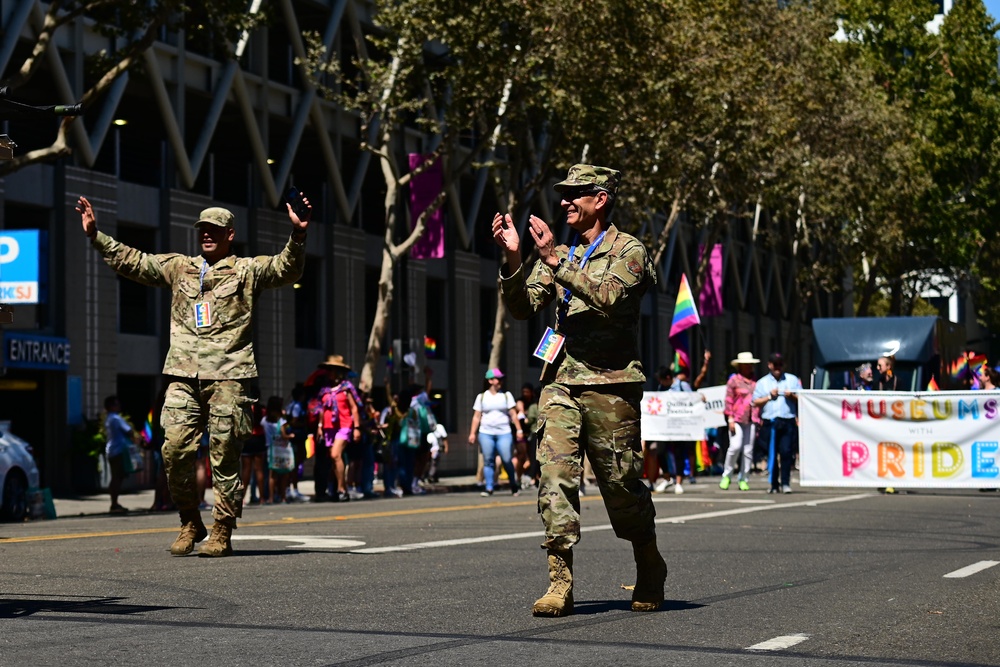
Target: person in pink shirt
<point x="741" y="417"/>
<point x="340" y="421"/>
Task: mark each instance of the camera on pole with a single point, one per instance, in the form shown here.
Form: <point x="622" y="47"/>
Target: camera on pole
<point x="11" y="109"/>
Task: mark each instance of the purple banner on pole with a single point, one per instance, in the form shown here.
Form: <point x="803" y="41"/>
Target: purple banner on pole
<point x="424" y="188"/>
<point x="710" y="299"/>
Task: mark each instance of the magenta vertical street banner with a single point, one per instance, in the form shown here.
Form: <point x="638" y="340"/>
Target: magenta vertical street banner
<point x="424" y="188"/>
<point x="710" y="299"/>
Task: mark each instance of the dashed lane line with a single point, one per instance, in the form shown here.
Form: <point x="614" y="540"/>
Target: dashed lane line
<point x="779" y="643"/>
<point x="969" y="570"/>
<point x="586" y="529"/>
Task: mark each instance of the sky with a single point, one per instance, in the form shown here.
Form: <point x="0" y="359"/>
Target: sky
<point x="993" y="7"/>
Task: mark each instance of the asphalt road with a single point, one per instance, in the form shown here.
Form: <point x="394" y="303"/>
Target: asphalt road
<point x="818" y="577"/>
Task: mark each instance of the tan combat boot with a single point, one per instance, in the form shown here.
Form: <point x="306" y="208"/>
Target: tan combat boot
<point x="192" y="530"/>
<point x="558" y="600"/>
<point x="650" y="575"/>
<point x="219" y="544"/>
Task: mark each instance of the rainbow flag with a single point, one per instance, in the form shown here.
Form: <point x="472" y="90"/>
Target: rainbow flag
<point x="147" y="428"/>
<point x="703" y="459"/>
<point x="933" y="385"/>
<point x="976" y="360"/>
<point x="389" y="360"/>
<point x="685" y="312"/>
<point x="685" y="317"/>
<point x="959" y="368"/>
<point x="430" y="346"/>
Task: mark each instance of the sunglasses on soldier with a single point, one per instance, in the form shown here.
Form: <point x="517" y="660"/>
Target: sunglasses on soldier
<point x="578" y="193"/>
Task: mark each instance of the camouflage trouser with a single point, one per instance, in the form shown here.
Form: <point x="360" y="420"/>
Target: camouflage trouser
<point x="189" y="407"/>
<point x="603" y="422"/>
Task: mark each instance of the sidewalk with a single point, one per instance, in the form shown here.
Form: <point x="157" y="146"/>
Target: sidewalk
<point x="140" y="502"/>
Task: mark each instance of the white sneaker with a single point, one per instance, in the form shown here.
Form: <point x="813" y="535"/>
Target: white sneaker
<point x="678" y="489"/>
<point x="786" y="488"/>
<point x="661" y="485"/>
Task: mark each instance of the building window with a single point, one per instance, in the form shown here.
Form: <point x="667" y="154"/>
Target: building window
<point x="307" y="306"/>
<point x="136" y="302"/>
<point x="437" y="319"/>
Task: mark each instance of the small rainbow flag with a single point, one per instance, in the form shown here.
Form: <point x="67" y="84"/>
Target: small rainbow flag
<point x="933" y="385"/>
<point x="430" y="346"/>
<point x="703" y="459"/>
<point x="685" y="312"/>
<point x="685" y="317"/>
<point x="976" y="360"/>
<point x="389" y="360"/>
<point x="959" y="368"/>
<point x="147" y="428"/>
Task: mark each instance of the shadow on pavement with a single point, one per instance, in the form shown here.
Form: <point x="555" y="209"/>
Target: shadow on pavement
<point x="30" y="606"/>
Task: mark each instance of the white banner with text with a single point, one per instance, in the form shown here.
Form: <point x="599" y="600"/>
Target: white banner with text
<point x="947" y="439"/>
<point x="682" y="415"/>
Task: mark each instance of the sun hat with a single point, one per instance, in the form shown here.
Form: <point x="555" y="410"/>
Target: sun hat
<point x="745" y="358"/>
<point x="335" y="361"/>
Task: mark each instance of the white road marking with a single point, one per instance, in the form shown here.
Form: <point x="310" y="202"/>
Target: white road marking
<point x="734" y="501"/>
<point x="308" y="541"/>
<point x="779" y="643"/>
<point x="607" y="526"/>
<point x="972" y="569"/>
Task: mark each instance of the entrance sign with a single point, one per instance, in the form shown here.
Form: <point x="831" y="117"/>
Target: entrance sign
<point x="945" y="439"/>
<point x="37" y="352"/>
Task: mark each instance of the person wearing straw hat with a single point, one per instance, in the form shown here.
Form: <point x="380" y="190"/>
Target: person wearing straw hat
<point x="740" y="417"/>
<point x="592" y="378"/>
<point x="210" y="363"/>
<point x="339" y="423"/>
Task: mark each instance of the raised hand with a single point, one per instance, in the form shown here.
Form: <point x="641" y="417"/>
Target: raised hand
<point x="544" y="239"/>
<point x="87" y="218"/>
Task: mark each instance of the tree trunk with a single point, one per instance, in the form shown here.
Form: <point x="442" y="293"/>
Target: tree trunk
<point x="500" y="326"/>
<point x="381" y="322"/>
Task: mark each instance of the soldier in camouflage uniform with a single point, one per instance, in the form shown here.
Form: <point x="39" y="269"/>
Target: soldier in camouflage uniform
<point x="210" y="363"/>
<point x="593" y="386"/>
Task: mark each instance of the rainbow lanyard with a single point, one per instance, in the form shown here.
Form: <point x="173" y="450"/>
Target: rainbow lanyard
<point x="567" y="294"/>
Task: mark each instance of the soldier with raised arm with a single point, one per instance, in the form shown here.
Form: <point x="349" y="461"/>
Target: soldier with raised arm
<point x="592" y="378"/>
<point x="210" y="363"/>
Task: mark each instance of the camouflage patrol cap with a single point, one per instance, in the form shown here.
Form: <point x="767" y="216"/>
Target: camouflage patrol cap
<point x="581" y="175"/>
<point x="218" y="216"/>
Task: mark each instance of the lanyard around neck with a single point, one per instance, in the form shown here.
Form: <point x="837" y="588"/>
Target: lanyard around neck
<point x="201" y="276"/>
<point x="567" y="294"/>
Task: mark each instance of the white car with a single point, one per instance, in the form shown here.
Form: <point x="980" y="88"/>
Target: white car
<point x="18" y="474"/>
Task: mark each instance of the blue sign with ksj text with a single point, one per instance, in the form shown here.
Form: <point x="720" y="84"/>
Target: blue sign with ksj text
<point x="23" y="266"/>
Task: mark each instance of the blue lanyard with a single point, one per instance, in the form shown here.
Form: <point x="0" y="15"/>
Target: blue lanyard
<point x="567" y="294"/>
<point x="201" y="277"/>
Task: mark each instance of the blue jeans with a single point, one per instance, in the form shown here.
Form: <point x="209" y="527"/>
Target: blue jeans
<point x="491" y="446"/>
<point x="780" y="435"/>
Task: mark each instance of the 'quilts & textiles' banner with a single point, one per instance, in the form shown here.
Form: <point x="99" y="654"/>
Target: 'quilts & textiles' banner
<point x="900" y="439"/>
<point x="672" y="415"/>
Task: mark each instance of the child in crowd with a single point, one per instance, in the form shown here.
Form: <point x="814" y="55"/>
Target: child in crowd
<point x="438" y="441"/>
<point x="280" y="456"/>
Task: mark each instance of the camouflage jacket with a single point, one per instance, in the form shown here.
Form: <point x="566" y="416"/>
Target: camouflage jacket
<point x="224" y="348"/>
<point x="601" y="321"/>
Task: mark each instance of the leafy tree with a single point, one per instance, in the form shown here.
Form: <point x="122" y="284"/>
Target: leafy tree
<point x="131" y="28"/>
